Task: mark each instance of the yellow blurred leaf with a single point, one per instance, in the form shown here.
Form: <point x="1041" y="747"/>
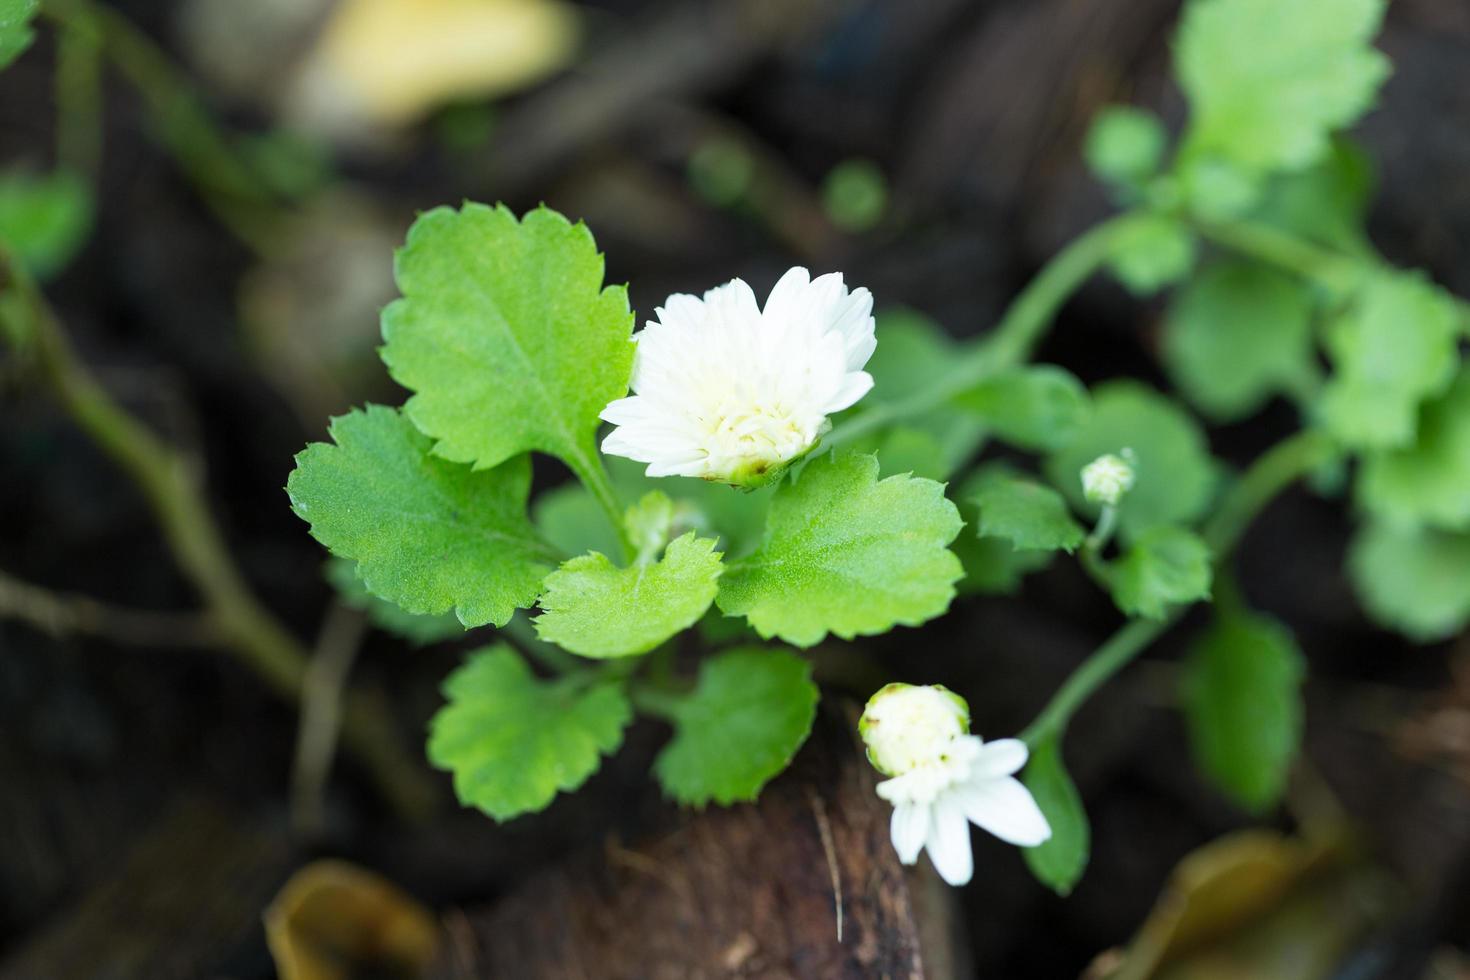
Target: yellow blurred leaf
<point x="333" y="920"/>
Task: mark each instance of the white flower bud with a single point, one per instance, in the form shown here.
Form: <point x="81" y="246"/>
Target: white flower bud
<point x="905" y="726"/>
<point x="1106" y="479"/>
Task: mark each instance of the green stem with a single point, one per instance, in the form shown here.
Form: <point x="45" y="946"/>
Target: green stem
<point x="589" y="468"/>
<point x="523" y="636"/>
<point x="1276" y="469"/>
<point x="79" y="99"/>
<point x="1011" y="342"/>
<point x="1330" y="269"/>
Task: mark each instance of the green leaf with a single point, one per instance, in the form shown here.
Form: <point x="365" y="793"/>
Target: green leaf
<point x="15" y="28"/>
<point x="1218" y="190"/>
<point x="1428" y="482"/>
<point x="1242" y="700"/>
<point x="1037" y="408"/>
<point x="1326" y="203"/>
<point x="418" y="630"/>
<point x="1125" y="145"/>
<point x="741" y="726"/>
<point x="593" y="608"/>
<point x="1164" y="567"/>
<point x="428" y="535"/>
<point x="1414" y="580"/>
<point x="45" y="219"/>
<point x="506" y="335"/>
<point x="1268" y="82"/>
<point x="1151" y="252"/>
<point x="904" y="449"/>
<point x="1395" y="348"/>
<point x="572" y="521"/>
<point x="1236" y="334"/>
<point x="513" y="742"/>
<point x="1029" y="515"/>
<point x="846" y="553"/>
<point x="912" y="350"/>
<point x="1059" y="861"/>
<point x="1175" y="474"/>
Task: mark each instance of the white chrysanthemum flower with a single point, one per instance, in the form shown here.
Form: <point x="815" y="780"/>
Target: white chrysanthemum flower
<point x="1106" y="479"/>
<point x="953" y="779"/>
<point x="726" y="391"/>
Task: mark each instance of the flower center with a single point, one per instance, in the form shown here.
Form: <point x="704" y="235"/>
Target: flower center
<point x="758" y="433"/>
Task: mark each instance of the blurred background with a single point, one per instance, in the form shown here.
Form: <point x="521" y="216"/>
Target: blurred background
<point x="221" y="185"/>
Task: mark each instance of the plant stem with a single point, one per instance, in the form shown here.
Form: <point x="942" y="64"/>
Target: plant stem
<point x="1273" y="471"/>
<point x="79" y="99"/>
<point x="171" y="485"/>
<point x="336" y="650"/>
<point x="589" y="468"/>
<point x="1011" y="342"/>
<point x="657" y="702"/>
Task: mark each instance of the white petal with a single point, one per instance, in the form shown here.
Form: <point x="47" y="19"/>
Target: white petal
<point x="788" y="294"/>
<point x="908" y="828"/>
<point x="949" y="843"/>
<point x="853" y="388"/>
<point x="1002" y="757"/>
<point x="1006" y="809"/>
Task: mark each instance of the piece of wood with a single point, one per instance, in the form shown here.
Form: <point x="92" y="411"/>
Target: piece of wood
<point x="803" y="884"/>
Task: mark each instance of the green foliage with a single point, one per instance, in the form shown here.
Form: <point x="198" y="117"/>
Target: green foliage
<point x="992" y="565"/>
<point x="571" y="521"/>
<point x="1058" y="862"/>
<point x="1268" y="82"/>
<point x="1236" y="334"/>
<point x="750" y="711"/>
<point x="855" y="195"/>
<point x="15" y="28"/>
<point x="512" y="741"/>
<point x="1153" y="251"/>
<point x="1414" y="580"/>
<point x="846" y="553"/>
<point x="593" y="608"/>
<point x="1242" y="699"/>
<point x="506" y="335"/>
<point x="418" y="630"/>
<point x="1176" y="476"/>
<point x="1326" y="203"/>
<point x="427" y="534"/>
<point x="1125" y="145"/>
<point x="1029" y="515"/>
<point x="1395" y="348"/>
<point x="1428" y="482"/>
<point x="912" y="351"/>
<point x="44" y="219"/>
<point x="1163" y="567"/>
<point x="1038" y="408"/>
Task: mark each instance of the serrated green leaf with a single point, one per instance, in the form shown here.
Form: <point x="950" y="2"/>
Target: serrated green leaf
<point x="1176" y="476"/>
<point x="992" y="566"/>
<point x="595" y="609"/>
<point x="1125" y="145"/>
<point x="912" y="351"/>
<point x="1242" y="700"/>
<point x="1236" y="334"/>
<point x="1428" y="482"/>
<point x="1268" y="82"/>
<point x="1030" y="516"/>
<point x="1395" y="348"/>
<point x="1414" y="580"/>
<point x="506" y="335"/>
<point x="418" y="630"/>
<point x="1151" y="252"/>
<point x="1038" y="408"/>
<point x="750" y="711"/>
<point x="428" y="535"/>
<point x="15" y="28"/>
<point x="848" y="554"/>
<point x="1163" y="567"/>
<point x="44" y="219"/>
<point x="1059" y="861"/>
<point x="1326" y="203"/>
<point x="513" y="742"/>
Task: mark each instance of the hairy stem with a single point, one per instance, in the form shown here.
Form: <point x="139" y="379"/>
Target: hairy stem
<point x="1271" y="473"/>
<point x="171" y="485"/>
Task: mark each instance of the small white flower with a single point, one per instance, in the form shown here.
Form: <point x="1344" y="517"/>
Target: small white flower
<point x="953" y="779"/>
<point x="728" y="392"/>
<point x="1106" y="479"/>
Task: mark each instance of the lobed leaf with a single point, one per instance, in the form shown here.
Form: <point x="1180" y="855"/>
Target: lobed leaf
<point x="418" y="630"/>
<point x="506" y="335"/>
<point x="513" y="741"/>
<point x="1031" y="516"/>
<point x="750" y="711"/>
<point x="1164" y="566"/>
<point x="1428" y="482"/>
<point x="848" y="554"/>
<point x="1414" y="580"/>
<point x="427" y="534"/>
<point x="1153" y="251"/>
<point x="1242" y="701"/>
<point x="595" y="609"/>
<point x="1059" y="861"/>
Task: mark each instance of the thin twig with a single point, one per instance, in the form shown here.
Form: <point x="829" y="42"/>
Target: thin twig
<point x="62" y="614"/>
<point x="824" y="830"/>
<point x="336" y="650"/>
